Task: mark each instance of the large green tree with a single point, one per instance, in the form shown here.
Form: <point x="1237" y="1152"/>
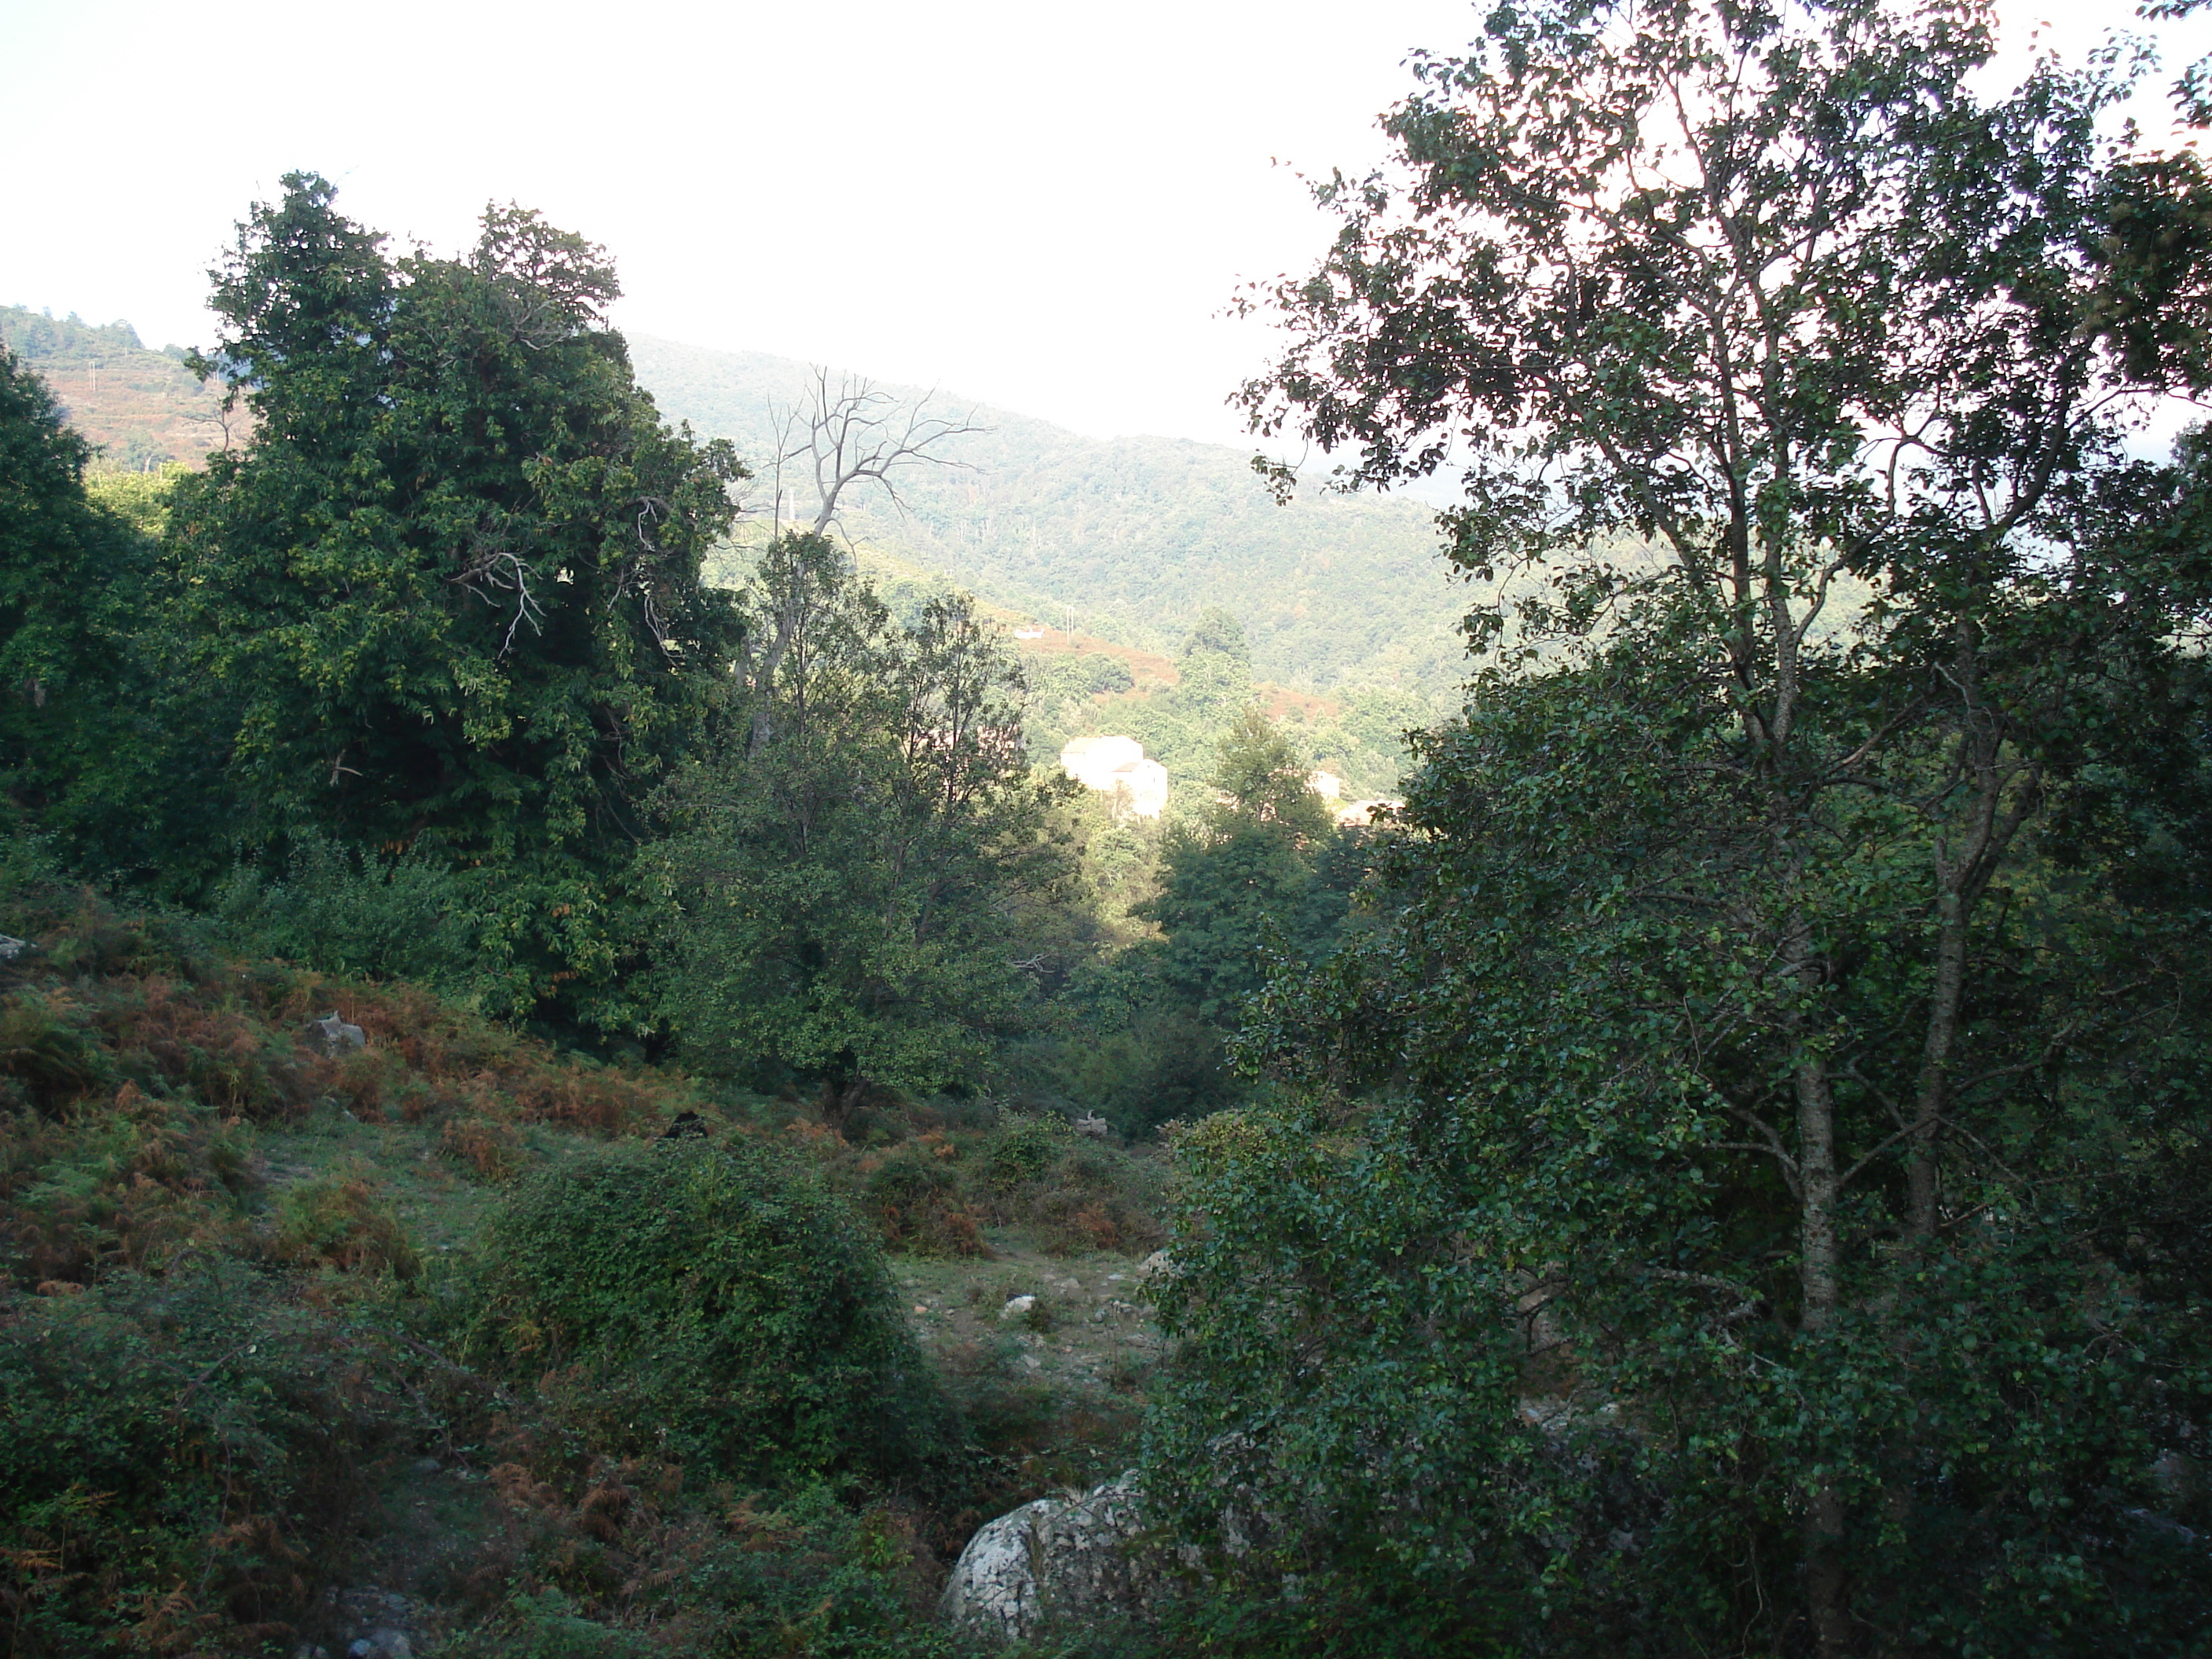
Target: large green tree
<point x="1780" y="988"/>
<point x="848" y="871"/>
<point x="1260" y="870"/>
<point x="450" y="579"/>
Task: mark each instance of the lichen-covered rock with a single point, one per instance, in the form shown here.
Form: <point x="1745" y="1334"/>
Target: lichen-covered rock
<point x="1073" y="1555"/>
<point x="338" y="1037"/>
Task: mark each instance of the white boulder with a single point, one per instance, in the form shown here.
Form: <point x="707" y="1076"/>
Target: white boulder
<point x="1073" y="1554"/>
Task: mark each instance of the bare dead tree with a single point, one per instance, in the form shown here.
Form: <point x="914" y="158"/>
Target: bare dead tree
<point x="857" y="433"/>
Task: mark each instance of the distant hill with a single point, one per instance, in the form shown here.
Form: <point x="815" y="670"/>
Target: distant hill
<point x="1350" y="616"/>
<point x="143" y="408"/>
<point x="1138" y="535"/>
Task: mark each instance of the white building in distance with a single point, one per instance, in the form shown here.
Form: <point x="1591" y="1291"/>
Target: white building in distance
<point x="1360" y="814"/>
<point x="1117" y="767"/>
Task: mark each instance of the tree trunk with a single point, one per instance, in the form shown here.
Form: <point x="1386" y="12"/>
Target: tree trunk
<point x="1826" y="1591"/>
<point x="1936" y="1055"/>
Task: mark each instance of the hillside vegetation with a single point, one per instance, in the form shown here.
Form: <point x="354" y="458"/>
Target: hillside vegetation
<point x="298" y="1340"/>
<point x="143" y="408"/>
<point x="574" y="1084"/>
<point x="1141" y="536"/>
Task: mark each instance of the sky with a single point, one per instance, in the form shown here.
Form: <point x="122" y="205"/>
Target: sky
<point x="1048" y="207"/>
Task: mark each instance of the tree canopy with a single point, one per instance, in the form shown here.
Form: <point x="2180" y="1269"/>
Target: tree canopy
<point x="1258" y="871"/>
<point x="451" y="582"/>
<point x="1761" y="1018"/>
<point x="849" y="868"/>
<point x="95" y="749"/>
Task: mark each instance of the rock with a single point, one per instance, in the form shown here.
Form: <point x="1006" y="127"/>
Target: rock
<point x="338" y="1036"/>
<point x="1070" y="1555"/>
<point x="685" y="1126"/>
<point x="385" y="1624"/>
<point x="1017" y="1307"/>
<point x="1092" y="1125"/>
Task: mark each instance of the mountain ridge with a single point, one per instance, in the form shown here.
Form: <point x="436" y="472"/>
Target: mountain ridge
<point x="1138" y="535"/>
<point x="1129" y="539"/>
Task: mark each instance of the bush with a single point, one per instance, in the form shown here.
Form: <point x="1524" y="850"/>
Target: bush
<point x="354" y="914"/>
<point x="914" y="1195"/>
<point x="798" y="1574"/>
<point x="135" y="1184"/>
<point x="1021" y="1152"/>
<point x="714" y="1303"/>
<point x="1164" y="1065"/>
<point x="49" y="1054"/>
<point x="338" y="1221"/>
<point x="179" y="1459"/>
<point x="1080" y="1196"/>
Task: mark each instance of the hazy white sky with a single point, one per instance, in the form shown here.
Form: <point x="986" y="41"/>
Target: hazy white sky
<point x="1043" y="205"/>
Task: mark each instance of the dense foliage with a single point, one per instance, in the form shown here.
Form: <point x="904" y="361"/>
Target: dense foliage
<point x="850" y="868"/>
<point x="97" y="750"/>
<point x="448" y="589"/>
<point x="1260" y="871"/>
<point x="1722" y="1170"/>
<point x="715" y="1306"/>
<point x="1704" y="1171"/>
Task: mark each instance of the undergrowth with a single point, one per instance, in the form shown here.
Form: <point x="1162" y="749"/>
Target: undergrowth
<point x="667" y="1377"/>
<point x="933" y="1175"/>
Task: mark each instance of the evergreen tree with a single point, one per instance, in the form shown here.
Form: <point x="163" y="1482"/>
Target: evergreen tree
<point x="451" y="581"/>
<point x="849" y="872"/>
<point x="1690" y="1235"/>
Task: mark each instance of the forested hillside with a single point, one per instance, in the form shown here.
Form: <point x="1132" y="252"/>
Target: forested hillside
<point x="1140" y="536"/>
<point x="575" y="1084"/>
<point x="143" y="408"/>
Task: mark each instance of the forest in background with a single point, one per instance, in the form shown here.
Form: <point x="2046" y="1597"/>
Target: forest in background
<point x="1138" y="535"/>
<point x="1386" y="657"/>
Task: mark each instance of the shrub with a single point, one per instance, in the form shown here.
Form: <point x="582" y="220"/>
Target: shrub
<point x="798" y="1574"/>
<point x="338" y="1221"/>
<point x="48" y="1051"/>
<point x="915" y="1196"/>
<point x="716" y="1304"/>
<point x="488" y="1148"/>
<point x="1081" y="1197"/>
<point x="176" y="1458"/>
<point x="133" y="1184"/>
<point x="1164" y="1065"/>
<point x="1021" y="1152"/>
<point x="353" y="913"/>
